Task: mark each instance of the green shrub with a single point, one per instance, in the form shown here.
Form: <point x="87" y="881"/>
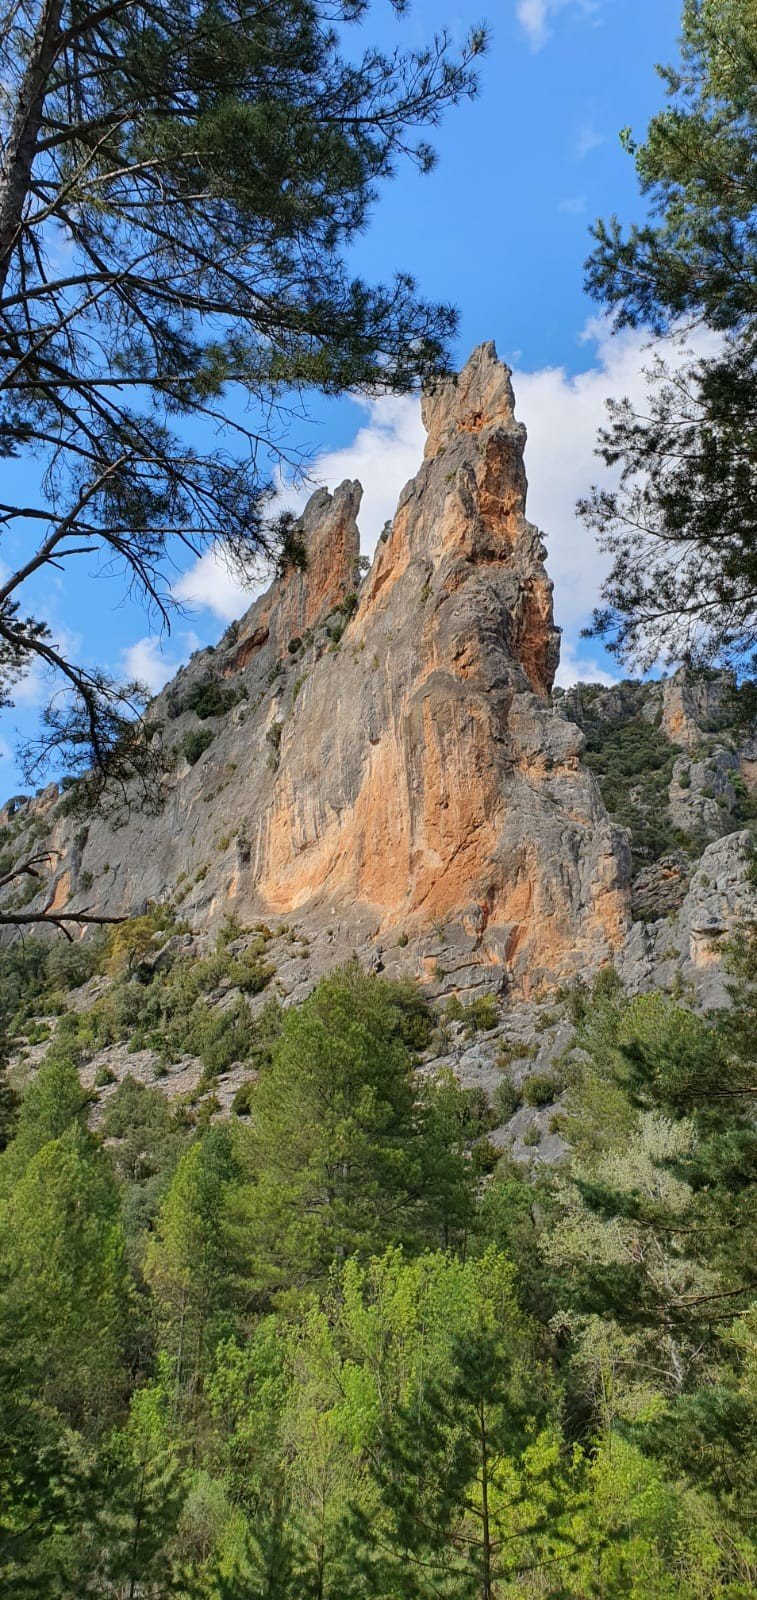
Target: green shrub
<point x="541" y="1089"/>
<point x="241" y="1105"/>
<point x="131" y="940"/>
<point x="633" y="762"/>
<point x="37" y="1032"/>
<point x="506" y="1100"/>
<point x="532" y="1136"/>
<point x="209" y="699"/>
<point x="219" y="1038"/>
<point x="478" y="1015"/>
<point x="104" y="1076"/>
<point x="273" y="736"/>
<point x="249" y="973"/>
<point x="484" y="1158"/>
<point x="477" y="1116"/>
<point x="513" y="1050"/>
<point x="194" y="744"/>
<point x="71" y="965"/>
<point x="482" y="1014"/>
<point x="607" y="985"/>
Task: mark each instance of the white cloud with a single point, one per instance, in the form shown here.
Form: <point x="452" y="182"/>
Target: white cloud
<point x="588" y="139"/>
<point x="214" y="583"/>
<point x="575" y="668"/>
<point x="146" y="660"/>
<point x="534" y="16"/>
<point x="573" y="205"/>
<point x="562" y="413"/>
<point x="385" y="452"/>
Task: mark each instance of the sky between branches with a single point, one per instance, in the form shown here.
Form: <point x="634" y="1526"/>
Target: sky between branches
<point x="501" y="229"/>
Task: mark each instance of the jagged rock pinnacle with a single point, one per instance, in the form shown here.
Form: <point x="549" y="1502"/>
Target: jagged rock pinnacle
<point x="392" y="763"/>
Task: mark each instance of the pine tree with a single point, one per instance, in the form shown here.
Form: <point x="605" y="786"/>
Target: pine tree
<point x="473" y="1493"/>
<point x="681" y="525"/>
<point x="65" y="1288"/>
<point x="179" y="188"/>
<point x="53" y="1100"/>
<point x="194" y="1261"/>
<point x="653" y="1252"/>
<point x="338" y="1151"/>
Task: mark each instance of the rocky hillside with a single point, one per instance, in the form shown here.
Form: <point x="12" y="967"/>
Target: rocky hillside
<point x="379" y="765"/>
<point x="379" y="758"/>
<point x="380" y="762"/>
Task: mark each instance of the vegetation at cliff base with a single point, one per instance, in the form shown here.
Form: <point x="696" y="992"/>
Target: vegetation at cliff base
<point x="311" y="1352"/>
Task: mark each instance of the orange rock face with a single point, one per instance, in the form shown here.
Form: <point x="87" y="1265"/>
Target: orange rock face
<point x="395" y="763"/>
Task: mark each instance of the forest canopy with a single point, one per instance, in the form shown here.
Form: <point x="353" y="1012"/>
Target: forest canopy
<point x="314" y="1350"/>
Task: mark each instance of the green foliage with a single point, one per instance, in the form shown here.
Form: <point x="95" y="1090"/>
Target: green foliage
<point x="145" y="1140"/>
<point x="209" y="698"/>
<point x="194" y="744"/>
<point x="178" y="1008"/>
<point x="506" y="1099"/>
<point x="53" y="1101"/>
<point x="681" y="526"/>
<point x="471" y="1490"/>
<point x="129" y="941"/>
<point x="33" y="973"/>
<point x="346" y="1348"/>
<point x="66" y="1289"/>
<point x="478" y="1015"/>
<point x="541" y="1088"/>
<point x="192" y="1259"/>
<point x="242" y="1103"/>
<point x="633" y="762"/>
<point x="337" y="1142"/>
<point x="651" y="1241"/>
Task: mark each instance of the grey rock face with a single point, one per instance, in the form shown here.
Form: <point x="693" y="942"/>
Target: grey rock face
<point x="702" y="797"/>
<point x="693" y="705"/>
<point x="688" y="947"/>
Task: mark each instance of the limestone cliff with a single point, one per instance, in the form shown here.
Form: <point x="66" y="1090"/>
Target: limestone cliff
<point x="381" y="760"/>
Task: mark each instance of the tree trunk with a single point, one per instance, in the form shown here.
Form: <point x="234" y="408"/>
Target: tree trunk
<point x="486" y="1586"/>
<point x="18" y="157"/>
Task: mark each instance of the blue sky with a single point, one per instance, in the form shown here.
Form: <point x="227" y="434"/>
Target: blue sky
<point x="501" y="229"/>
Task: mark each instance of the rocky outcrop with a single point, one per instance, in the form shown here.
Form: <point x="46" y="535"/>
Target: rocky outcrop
<point x="320" y="569"/>
<point x="385" y="764"/>
<point x="703" y="800"/>
<point x="687" y="947"/>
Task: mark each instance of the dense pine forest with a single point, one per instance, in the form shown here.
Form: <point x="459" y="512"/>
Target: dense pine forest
<point x="335" y="1346"/>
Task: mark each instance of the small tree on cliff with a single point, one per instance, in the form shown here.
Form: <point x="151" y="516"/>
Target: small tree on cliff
<point x="178" y="185"/>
